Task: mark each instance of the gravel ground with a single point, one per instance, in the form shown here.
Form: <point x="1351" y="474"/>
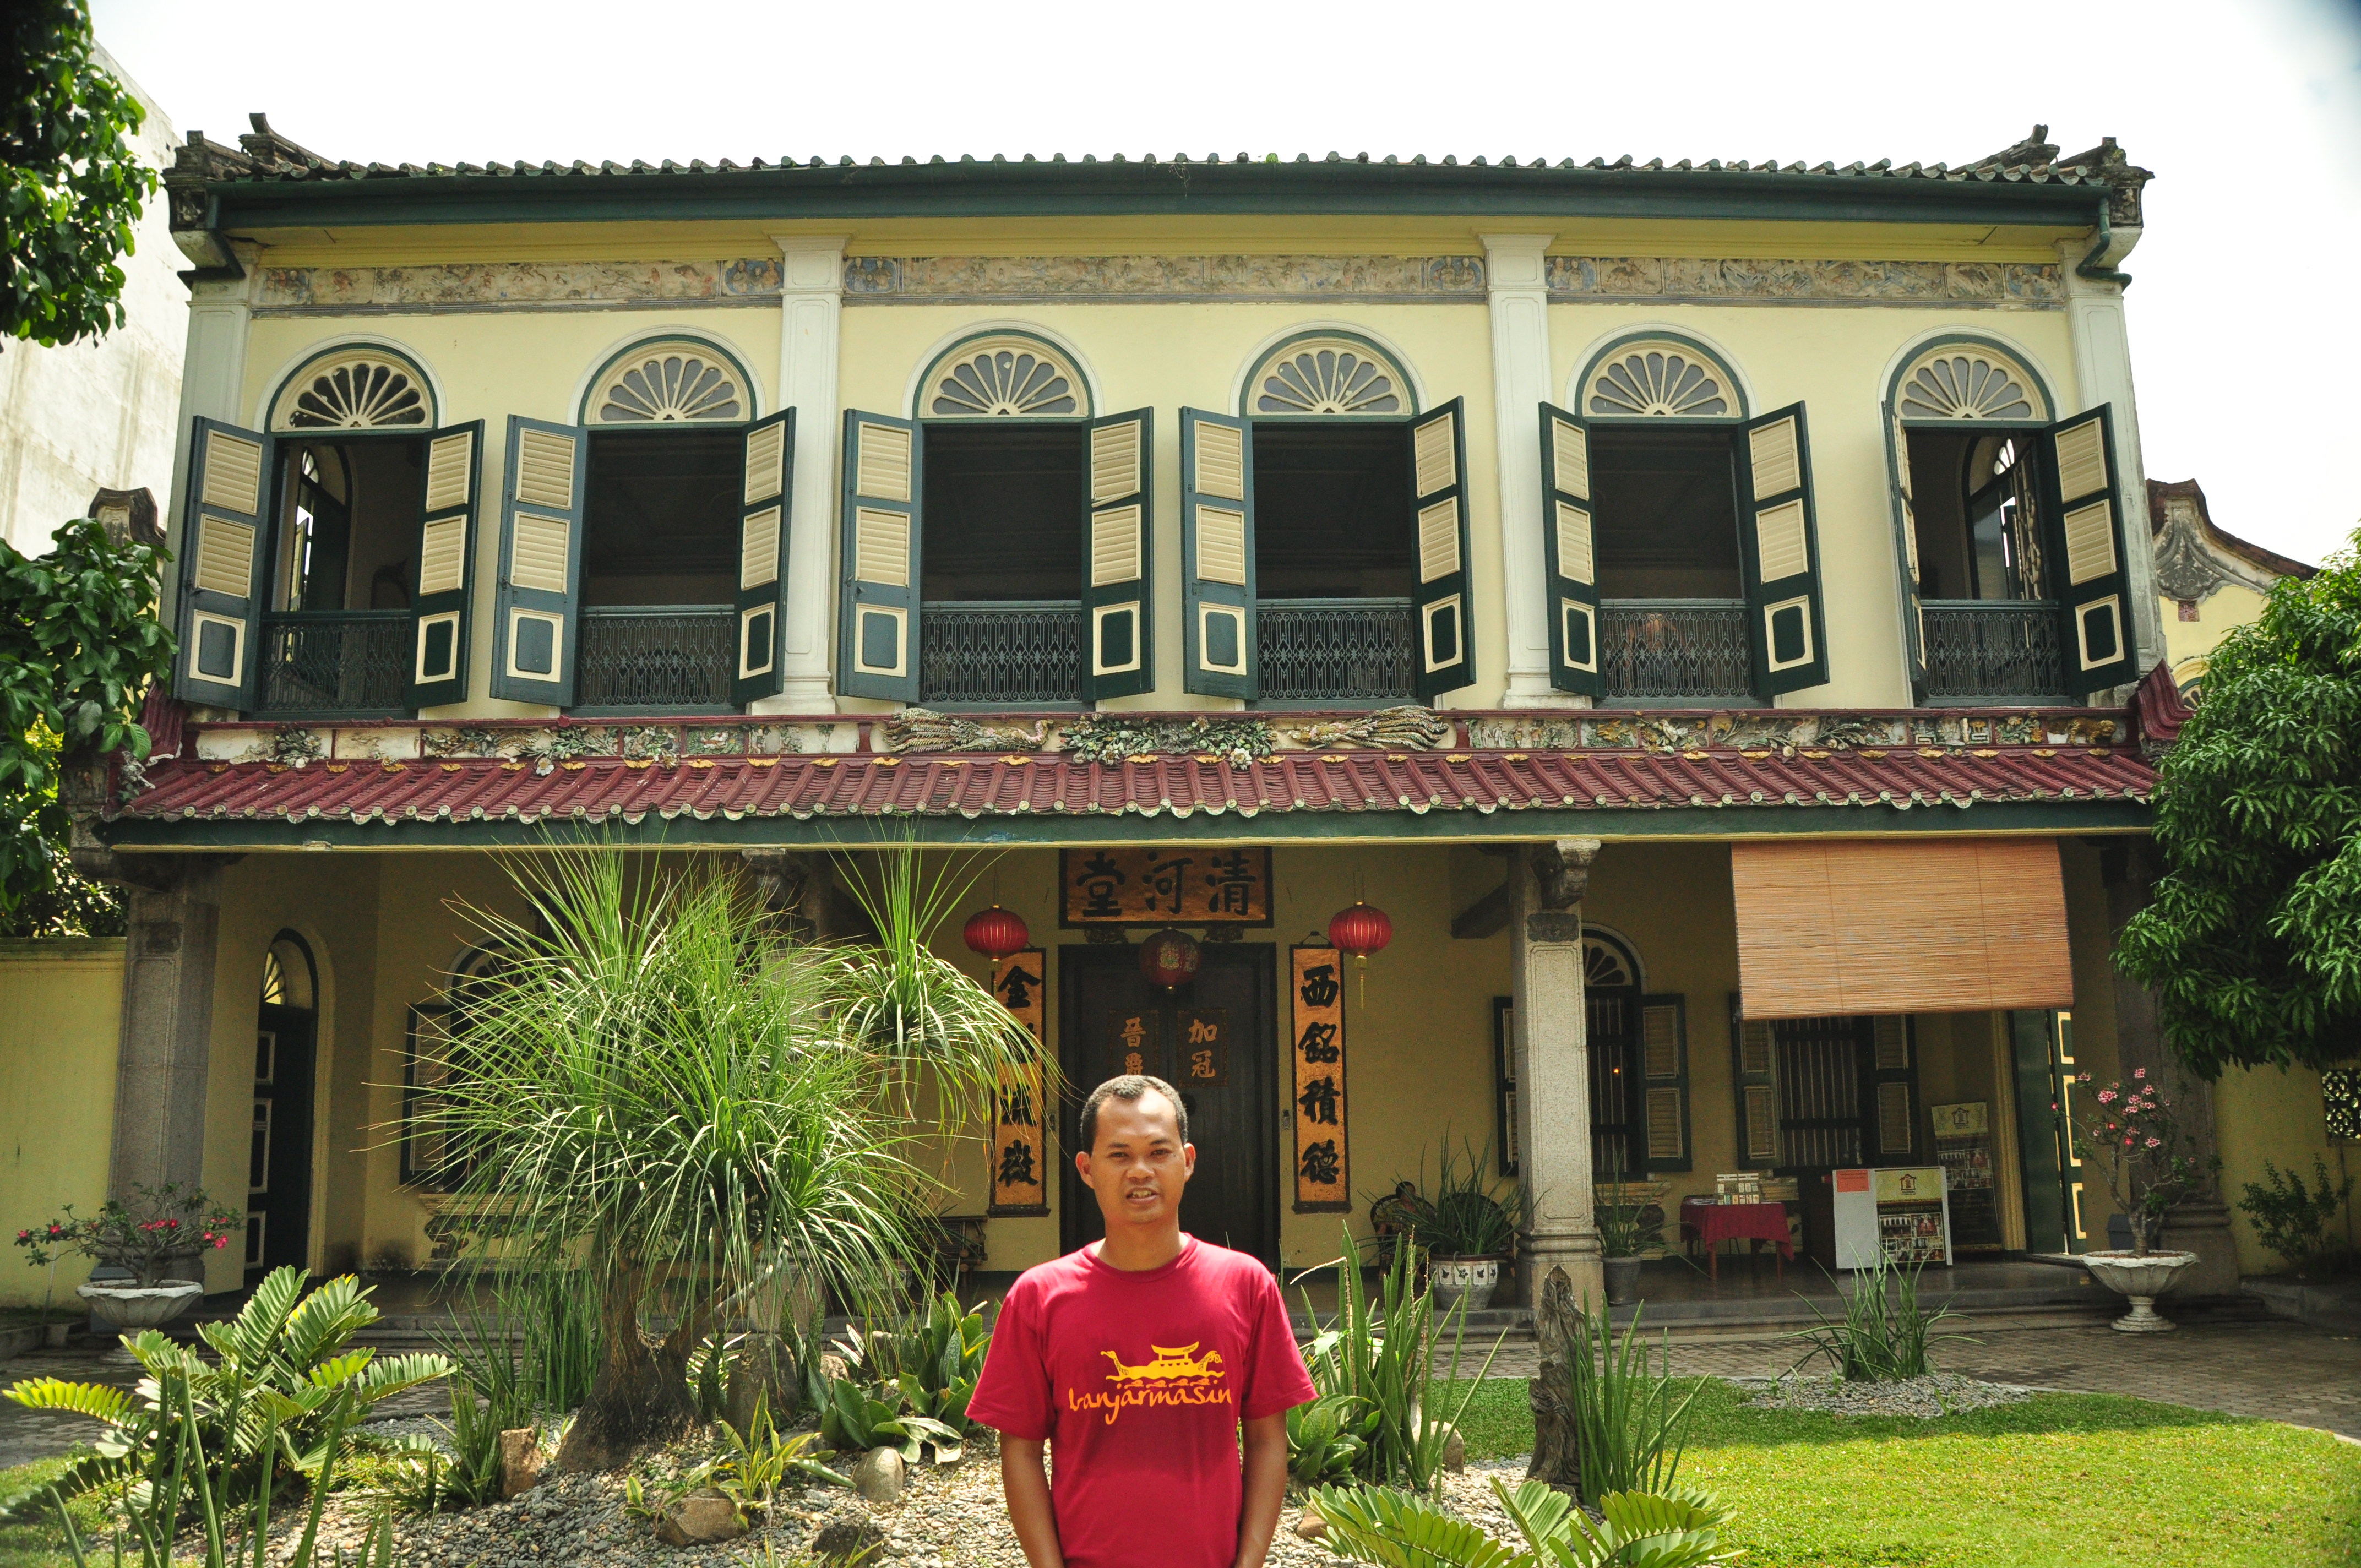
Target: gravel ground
<point x="1938" y="1395"/>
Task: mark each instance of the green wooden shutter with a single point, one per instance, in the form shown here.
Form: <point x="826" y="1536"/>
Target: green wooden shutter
<point x="1217" y="555"/>
<point x="882" y="533"/>
<point x="1905" y="524"/>
<point x="225" y="564"/>
<point x="1893" y="1092"/>
<point x="540" y="597"/>
<point x="1779" y="538"/>
<point x="443" y="603"/>
<point x="1118" y="549"/>
<point x="2086" y="547"/>
<point x="767" y="483"/>
<point x="1754" y="1069"/>
<point x="1664" y="1081"/>
<point x="1572" y="558"/>
<point x="1438" y="468"/>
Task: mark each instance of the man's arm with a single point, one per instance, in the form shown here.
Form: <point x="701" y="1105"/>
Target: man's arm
<point x="1266" y="1488"/>
<point x="1027" y="1483"/>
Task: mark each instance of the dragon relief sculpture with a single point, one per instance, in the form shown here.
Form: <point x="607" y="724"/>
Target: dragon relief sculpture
<point x="1405" y="727"/>
<point x="924" y="729"/>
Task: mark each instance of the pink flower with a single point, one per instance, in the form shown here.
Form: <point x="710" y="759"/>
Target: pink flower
<point x="2153" y="1143"/>
<point x="24" y="1235"/>
<point x="220" y="1241"/>
<point x="2106" y="1097"/>
<point x="2139" y="1072"/>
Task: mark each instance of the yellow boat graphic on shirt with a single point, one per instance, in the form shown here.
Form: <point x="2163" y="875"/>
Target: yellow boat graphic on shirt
<point x="1177" y="1377"/>
<point x="1169" y="1363"/>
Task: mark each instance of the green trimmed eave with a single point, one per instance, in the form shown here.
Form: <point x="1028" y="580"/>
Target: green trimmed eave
<point x="841" y="193"/>
<point x="1080" y="830"/>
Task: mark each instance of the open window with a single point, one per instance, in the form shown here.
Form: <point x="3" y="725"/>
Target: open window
<point x="344" y="575"/>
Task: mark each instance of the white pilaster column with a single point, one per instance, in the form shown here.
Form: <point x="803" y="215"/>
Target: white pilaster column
<point x="811" y="299"/>
<point x="2103" y="373"/>
<point x="1552" y="1047"/>
<point x="1516" y="284"/>
<point x="213" y="379"/>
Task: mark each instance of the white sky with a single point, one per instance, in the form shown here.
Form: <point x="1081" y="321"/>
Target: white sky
<point x="2244" y="318"/>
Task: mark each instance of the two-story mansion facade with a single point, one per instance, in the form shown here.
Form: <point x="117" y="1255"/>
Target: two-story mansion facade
<point x="1695" y="602"/>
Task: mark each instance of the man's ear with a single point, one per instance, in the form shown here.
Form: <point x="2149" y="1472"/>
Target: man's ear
<point x="1189" y="1158"/>
<point x="1082" y="1164"/>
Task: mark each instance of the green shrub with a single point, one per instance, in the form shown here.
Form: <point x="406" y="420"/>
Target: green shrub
<point x="1681" y="1530"/>
<point x="1326" y="1438"/>
<point x="2290" y="1218"/>
<point x="1884" y="1334"/>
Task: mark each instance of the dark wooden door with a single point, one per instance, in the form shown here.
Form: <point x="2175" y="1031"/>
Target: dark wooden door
<point x="1212" y="1039"/>
<point x="279" y="1178"/>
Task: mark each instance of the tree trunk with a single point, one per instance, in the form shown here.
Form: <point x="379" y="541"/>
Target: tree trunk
<point x="640" y="1399"/>
<point x="1557" y="1435"/>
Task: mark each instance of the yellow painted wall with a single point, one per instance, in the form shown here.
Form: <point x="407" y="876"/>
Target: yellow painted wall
<point x="2276" y="1117"/>
<point x="2188" y="644"/>
<point x="60" y="1005"/>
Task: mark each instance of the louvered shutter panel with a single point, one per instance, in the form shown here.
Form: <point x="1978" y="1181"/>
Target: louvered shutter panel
<point x="1664" y="1081"/>
<point x="1779" y="538"/>
<point x="1571" y="555"/>
<point x="1117" y="547"/>
<point x="1894" y="1090"/>
<point x="877" y="612"/>
<point x="1438" y="468"/>
<point x="2086" y="549"/>
<point x="765" y="486"/>
<point x="441" y="607"/>
<point x="1754" y="1069"/>
<point x="1217" y="555"/>
<point x="1905" y="520"/>
<point x="539" y="602"/>
<point x="224" y="565"/>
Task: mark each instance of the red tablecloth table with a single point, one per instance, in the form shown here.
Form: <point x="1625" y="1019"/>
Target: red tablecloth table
<point x="1714" y="1224"/>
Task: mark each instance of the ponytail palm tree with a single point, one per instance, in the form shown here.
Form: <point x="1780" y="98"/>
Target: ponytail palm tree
<point x="659" y="1090"/>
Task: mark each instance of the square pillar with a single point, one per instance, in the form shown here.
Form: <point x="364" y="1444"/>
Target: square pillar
<point x="165" y="1052"/>
<point x="811" y="303"/>
<point x="1552" y="1055"/>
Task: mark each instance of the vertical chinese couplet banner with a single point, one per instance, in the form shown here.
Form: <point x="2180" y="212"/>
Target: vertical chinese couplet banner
<point x="1321" y="1182"/>
<point x="1020" y="1176"/>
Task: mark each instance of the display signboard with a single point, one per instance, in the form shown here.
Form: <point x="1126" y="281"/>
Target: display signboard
<point x="1898" y="1212"/>
<point x="1317" y="998"/>
<point x="1963" y="1148"/>
<point x="1020" y="1174"/>
<point x="1122" y="885"/>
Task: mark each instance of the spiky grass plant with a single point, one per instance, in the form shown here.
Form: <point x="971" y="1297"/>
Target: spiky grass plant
<point x="664" y="1093"/>
<point x="1884" y="1335"/>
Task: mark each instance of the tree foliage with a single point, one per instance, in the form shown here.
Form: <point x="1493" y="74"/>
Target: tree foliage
<point x="2252" y="944"/>
<point x="79" y="644"/>
<point x="73" y="183"/>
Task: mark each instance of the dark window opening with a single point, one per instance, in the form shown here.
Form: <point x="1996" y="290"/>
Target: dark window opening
<point x="1004" y="513"/>
<point x="349" y="524"/>
<point x="1333" y="511"/>
<point x="1974" y="498"/>
<point x="660" y="526"/>
<point x="1666" y="512"/>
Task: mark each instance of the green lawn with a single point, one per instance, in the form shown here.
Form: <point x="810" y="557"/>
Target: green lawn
<point x="35" y="1545"/>
<point x="2079" y="1479"/>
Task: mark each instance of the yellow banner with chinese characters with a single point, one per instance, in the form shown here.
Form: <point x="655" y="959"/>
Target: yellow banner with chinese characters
<point x="1321" y="1185"/>
<point x="1121" y="886"/>
<point x="1020" y="1152"/>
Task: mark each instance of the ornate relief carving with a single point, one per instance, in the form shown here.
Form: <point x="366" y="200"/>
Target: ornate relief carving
<point x="923" y="729"/>
<point x="517" y="285"/>
<point x="1408" y="728"/>
<point x="2185" y="568"/>
<point x="1679" y="277"/>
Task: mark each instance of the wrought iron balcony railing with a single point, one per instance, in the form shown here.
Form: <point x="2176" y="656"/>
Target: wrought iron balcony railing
<point x="1994" y="651"/>
<point x="636" y="656"/>
<point x="1654" y="651"/>
<point x="333" y="663"/>
<point x="1357" y="650"/>
<point x="1000" y="653"/>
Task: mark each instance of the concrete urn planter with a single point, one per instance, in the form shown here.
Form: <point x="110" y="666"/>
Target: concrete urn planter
<point x="128" y="1307"/>
<point x="1622" y="1280"/>
<point x="1455" y="1279"/>
<point x="2142" y="1279"/>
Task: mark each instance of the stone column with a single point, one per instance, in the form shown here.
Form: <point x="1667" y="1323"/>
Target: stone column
<point x="2103" y="373"/>
<point x="2201" y="1225"/>
<point x="1552" y="1057"/>
<point x="165" y="1049"/>
<point x="811" y="300"/>
<point x="1516" y="285"/>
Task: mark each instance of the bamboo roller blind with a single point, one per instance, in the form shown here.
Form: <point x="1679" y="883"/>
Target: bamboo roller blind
<point x="1841" y="926"/>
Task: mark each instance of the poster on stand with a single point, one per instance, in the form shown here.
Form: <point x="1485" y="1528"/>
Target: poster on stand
<point x="1963" y="1148"/>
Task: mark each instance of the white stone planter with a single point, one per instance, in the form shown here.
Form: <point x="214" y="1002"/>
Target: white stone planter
<point x="128" y="1308"/>
<point x="1451" y="1279"/>
<point x="2142" y="1279"/>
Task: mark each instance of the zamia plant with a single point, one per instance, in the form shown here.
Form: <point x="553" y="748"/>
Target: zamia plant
<point x="1326" y="1438"/>
<point x="1370" y="1524"/>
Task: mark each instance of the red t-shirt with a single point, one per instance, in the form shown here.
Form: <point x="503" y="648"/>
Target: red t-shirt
<point x="1139" y="1380"/>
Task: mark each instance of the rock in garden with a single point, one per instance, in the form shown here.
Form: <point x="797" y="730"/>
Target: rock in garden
<point x="1454" y="1449"/>
<point x="845" y="1537"/>
<point x="1310" y="1526"/>
<point x="521" y="1460"/>
<point x="878" y="1474"/>
<point x="764" y="1368"/>
<point x="702" y="1516"/>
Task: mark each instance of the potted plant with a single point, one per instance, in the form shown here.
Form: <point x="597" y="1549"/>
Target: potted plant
<point x="1630" y="1221"/>
<point x="2140" y="1151"/>
<point x="1468" y="1231"/>
<point x="42" y="1246"/>
<point x="159" y="1231"/>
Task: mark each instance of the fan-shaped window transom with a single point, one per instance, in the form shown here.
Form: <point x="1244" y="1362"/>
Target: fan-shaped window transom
<point x="1969" y="381"/>
<point x="1328" y="375"/>
<point x="1660" y="379"/>
<point x="673" y="382"/>
<point x="1009" y="376"/>
<point x="1604" y="964"/>
<point x="361" y="388"/>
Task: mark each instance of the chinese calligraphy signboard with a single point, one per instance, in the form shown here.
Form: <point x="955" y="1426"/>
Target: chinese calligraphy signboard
<point x="1120" y="885"/>
<point x="1319" y="1051"/>
<point x="1132" y="1046"/>
<point x="1205" y="1046"/>
<point x="1020" y="1176"/>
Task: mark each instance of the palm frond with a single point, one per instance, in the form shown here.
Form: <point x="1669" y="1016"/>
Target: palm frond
<point x="99" y="1401"/>
<point x="1396" y="1529"/>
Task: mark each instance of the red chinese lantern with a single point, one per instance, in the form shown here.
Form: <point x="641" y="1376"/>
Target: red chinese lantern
<point x="996" y="932"/>
<point x="1170" y="958"/>
<point x="1359" y="932"/>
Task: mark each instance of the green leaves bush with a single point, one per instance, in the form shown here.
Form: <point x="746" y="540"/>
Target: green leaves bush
<point x="1680" y="1529"/>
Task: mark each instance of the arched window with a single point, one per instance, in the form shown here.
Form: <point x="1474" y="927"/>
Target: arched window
<point x="1969" y="381"/>
<point x="672" y="381"/>
<point x="1659" y="378"/>
<point x="1330" y="374"/>
<point x="1006" y="375"/>
<point x="359" y="387"/>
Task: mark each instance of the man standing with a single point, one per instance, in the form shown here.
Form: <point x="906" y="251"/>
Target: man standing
<point x="1136" y="1360"/>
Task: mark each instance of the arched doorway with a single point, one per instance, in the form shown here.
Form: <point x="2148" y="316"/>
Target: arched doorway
<point x="279" y="1168"/>
<point x="1611" y="988"/>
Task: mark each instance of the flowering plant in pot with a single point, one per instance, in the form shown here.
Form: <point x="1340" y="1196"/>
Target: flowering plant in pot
<point x="157" y="1230"/>
<point x="1468" y="1231"/>
<point x="2131" y="1136"/>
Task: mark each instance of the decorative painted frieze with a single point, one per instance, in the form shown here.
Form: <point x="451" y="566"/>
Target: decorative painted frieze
<point x="507" y="285"/>
<point x="2020" y="284"/>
